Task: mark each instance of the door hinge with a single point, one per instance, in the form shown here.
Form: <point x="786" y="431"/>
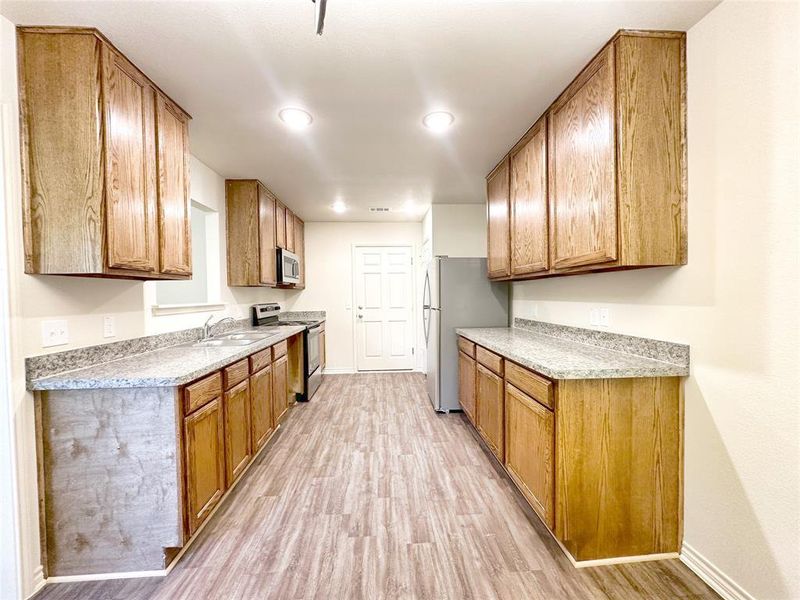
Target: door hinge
<point x="412" y="351"/>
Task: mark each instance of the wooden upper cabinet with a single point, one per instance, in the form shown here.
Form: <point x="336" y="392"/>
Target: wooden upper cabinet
<point x="599" y="182"/>
<point x="245" y="207"/>
<point x="529" y="231"/>
<point x="93" y="161"/>
<point x="497" y="192"/>
<point x="280" y="225"/>
<point x="289" y="230"/>
<point x="583" y="168"/>
<point x="130" y="168"/>
<point x="266" y="236"/>
<point x="257" y="224"/>
<point x="300" y="249"/>
<point x="174" y="216"/>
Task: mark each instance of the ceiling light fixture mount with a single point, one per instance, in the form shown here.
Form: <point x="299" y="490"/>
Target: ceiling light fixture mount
<point x="319" y="14"/>
<point x="438" y="121"/>
<point x="296" y="118"/>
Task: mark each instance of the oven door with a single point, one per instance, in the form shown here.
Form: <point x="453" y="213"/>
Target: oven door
<point x="314" y="373"/>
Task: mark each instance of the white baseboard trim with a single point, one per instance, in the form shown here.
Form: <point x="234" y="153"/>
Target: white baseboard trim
<point x="620" y="560"/>
<point x="328" y="371"/>
<point x="38" y="581"/>
<point x="104" y="576"/>
<point x="712" y="575"/>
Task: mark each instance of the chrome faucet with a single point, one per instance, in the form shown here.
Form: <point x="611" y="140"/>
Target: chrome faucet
<point x="208" y="327"/>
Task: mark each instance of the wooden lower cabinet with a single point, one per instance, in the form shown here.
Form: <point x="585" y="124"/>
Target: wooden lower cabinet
<point x="238" y="450"/>
<point x="529" y="450"/>
<point x="599" y="460"/>
<point x="490" y="424"/>
<point x="261" y="407"/>
<point x="466" y="385"/>
<point x="205" y="468"/>
<point x="280" y="389"/>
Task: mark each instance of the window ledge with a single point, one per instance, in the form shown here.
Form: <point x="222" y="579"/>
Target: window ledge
<point x="178" y="309"/>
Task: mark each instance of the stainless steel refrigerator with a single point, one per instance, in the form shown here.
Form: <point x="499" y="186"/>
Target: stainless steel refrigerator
<point x="457" y="293"/>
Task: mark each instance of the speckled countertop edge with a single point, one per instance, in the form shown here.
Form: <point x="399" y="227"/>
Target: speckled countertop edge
<point x="560" y="358"/>
<point x="190" y="363"/>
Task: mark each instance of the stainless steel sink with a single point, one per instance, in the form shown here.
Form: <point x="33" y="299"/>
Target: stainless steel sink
<point x="224" y="342"/>
<point x="240" y="338"/>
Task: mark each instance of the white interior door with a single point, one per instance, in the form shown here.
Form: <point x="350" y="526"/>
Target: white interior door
<point x="384" y="280"/>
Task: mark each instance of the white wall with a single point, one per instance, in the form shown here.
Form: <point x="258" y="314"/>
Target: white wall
<point x="329" y="280"/>
<point x="458" y="229"/>
<point x="736" y="302"/>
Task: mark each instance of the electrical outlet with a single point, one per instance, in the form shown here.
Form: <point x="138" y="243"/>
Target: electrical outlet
<point x="54" y="333"/>
<point x="109" y="328"/>
<point x="594" y="317"/>
<point x="605" y="317"/>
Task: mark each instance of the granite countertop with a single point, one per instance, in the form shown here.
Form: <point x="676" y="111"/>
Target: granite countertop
<point x="559" y="358"/>
<point x="165" y="367"/>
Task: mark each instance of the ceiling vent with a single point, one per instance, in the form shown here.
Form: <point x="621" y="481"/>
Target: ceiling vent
<point x="379" y="209"/>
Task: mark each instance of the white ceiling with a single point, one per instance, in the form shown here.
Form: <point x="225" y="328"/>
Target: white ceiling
<point x="379" y="67"/>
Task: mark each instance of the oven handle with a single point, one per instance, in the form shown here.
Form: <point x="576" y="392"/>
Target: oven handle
<point x="314" y="328"/>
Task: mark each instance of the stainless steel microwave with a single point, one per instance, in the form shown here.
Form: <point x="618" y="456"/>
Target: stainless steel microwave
<point x="288" y="267"/>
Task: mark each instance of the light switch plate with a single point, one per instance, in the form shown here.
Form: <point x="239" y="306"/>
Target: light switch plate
<point x="594" y="317"/>
<point x="605" y="317"/>
<point x="109" y="327"/>
<point x="54" y="333"/>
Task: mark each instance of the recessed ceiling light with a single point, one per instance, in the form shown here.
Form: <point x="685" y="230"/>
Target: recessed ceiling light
<point x="438" y="121"/>
<point x="339" y="206"/>
<point x="296" y="118"/>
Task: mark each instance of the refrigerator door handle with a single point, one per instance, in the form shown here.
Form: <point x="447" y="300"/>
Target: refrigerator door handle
<point x="426" y="308"/>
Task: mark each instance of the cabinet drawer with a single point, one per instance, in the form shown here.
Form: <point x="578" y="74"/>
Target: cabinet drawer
<point x="279" y="350"/>
<point x="538" y="388"/>
<point x="235" y="373"/>
<point x="466" y="347"/>
<point x="259" y="360"/>
<point x="490" y="360"/>
<point x="202" y="392"/>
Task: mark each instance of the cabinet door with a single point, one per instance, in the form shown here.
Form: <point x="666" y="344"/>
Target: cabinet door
<point x="237" y="430"/>
<point x="529" y="249"/>
<point x="205" y="461"/>
<point x="280" y="388"/>
<point x="289" y="219"/>
<point x="300" y="249"/>
<point x="261" y="406"/>
<point x="130" y="174"/>
<point x="266" y="233"/>
<point x="497" y="193"/>
<point x="583" y="168"/>
<point x="280" y="225"/>
<point x="466" y="385"/>
<point x="490" y="409"/>
<point x="529" y="450"/>
<point x="175" y="233"/>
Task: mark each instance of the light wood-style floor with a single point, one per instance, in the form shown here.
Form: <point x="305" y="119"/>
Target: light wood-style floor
<point x="367" y="494"/>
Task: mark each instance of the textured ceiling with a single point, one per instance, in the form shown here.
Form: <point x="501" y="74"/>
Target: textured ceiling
<point x="368" y="81"/>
